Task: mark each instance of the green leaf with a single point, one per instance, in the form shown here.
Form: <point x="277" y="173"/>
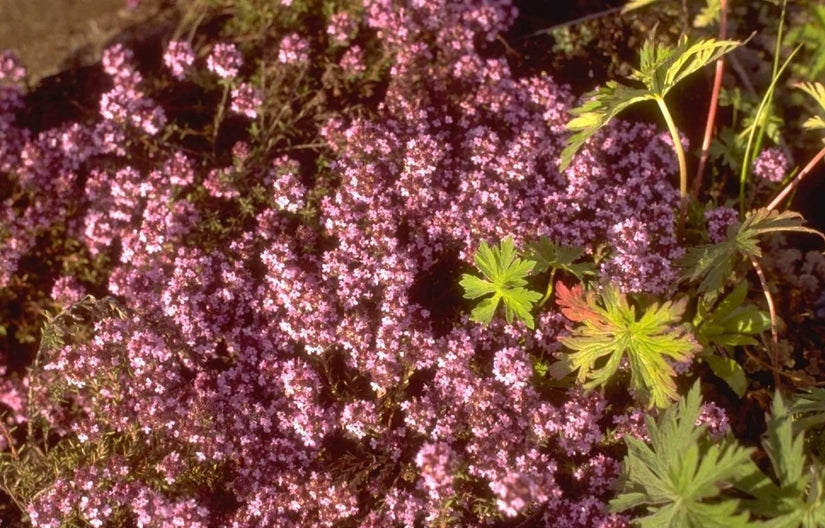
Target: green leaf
<point x="636" y="4"/>
<point x="664" y="66"/>
<point x="505" y="277"/>
<point x="600" y="107"/>
<point x="708" y="15"/>
<point x="763" y="221"/>
<point x="795" y="499"/>
<point x="661" y="68"/>
<point x="610" y="330"/>
<point x="811" y="404"/>
<point x="713" y="264"/>
<point x="817" y="91"/>
<point x="680" y="476"/>
<point x="549" y="255"/>
<point x="729" y="323"/>
<point x="730" y="371"/>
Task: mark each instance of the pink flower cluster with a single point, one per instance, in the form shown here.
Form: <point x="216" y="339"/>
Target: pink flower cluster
<point x="125" y="103"/>
<point x="312" y="334"/>
<point x="771" y="165"/>
<point x="179" y="58"/>
<point x="293" y="50"/>
<point x="246" y="100"/>
<point x="342" y="26"/>
<point x="225" y="60"/>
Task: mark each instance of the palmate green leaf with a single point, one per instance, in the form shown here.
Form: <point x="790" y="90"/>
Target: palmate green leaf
<point x="680" y="476"/>
<point x="505" y="277"/>
<point x="600" y="107"/>
<point x="797" y="496"/>
<point x="713" y="264"/>
<point x="549" y="255"/>
<point x="609" y="330"/>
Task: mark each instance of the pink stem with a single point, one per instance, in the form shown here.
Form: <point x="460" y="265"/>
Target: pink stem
<point x="714" y="101"/>
<point x="792" y="185"/>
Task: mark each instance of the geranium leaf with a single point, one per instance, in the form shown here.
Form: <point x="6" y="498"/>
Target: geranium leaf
<point x="714" y="263"/>
<point x="796" y="499"/>
<point x="599" y="108"/>
<point x="661" y="68"/>
<point x="549" y="255"/>
<point x="609" y="330"/>
<point x="504" y="277"/>
<point x="689" y="58"/>
<point x="680" y="476"/>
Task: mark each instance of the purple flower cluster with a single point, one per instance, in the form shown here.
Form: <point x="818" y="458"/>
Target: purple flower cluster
<point x="771" y="165"/>
<point x="225" y="60"/>
<point x="179" y="58"/>
<point x="718" y="222"/>
<point x="293" y="50"/>
<point x="273" y="355"/>
<point x="341" y="28"/>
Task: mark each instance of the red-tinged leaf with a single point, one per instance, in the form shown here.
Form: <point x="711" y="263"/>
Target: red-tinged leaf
<point x="609" y="330"/>
<point x="575" y="304"/>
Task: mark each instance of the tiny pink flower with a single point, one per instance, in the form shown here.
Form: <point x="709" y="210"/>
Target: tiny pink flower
<point x="293" y="50"/>
<point x="225" y="60"/>
<point x="246" y="100"/>
<point x="179" y="58"/>
<point x="771" y="165"/>
<point x="341" y="28"/>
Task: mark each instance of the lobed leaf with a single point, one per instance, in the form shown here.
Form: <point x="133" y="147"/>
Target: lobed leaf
<point x="796" y="498"/>
<point x="549" y="255"/>
<point x="815" y="90"/>
<point x="600" y="107"/>
<point x="661" y="68"/>
<point x="689" y="58"/>
<point x="680" y="476"/>
<point x="609" y="330"/>
<point x="713" y="264"/>
<point x="811" y="404"/>
<point x="505" y="277"/>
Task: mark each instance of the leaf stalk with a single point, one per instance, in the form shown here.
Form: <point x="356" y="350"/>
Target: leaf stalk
<point x="680" y="155"/>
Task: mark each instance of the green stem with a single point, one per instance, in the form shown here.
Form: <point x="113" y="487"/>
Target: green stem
<point x="549" y="291"/>
<point x="216" y="123"/>
<point x="747" y="159"/>
<point x="680" y="155"/>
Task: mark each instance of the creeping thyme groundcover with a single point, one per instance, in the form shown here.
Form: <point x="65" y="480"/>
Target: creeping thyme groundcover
<point x="318" y="264"/>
